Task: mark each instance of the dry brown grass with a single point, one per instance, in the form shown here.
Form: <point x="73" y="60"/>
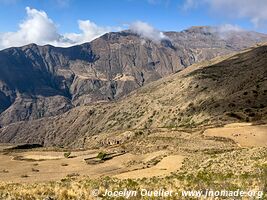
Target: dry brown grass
<point x="243" y="169"/>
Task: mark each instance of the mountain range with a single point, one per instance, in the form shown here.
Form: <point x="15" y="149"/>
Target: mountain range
<point x="228" y="88"/>
<point x="44" y="82"/>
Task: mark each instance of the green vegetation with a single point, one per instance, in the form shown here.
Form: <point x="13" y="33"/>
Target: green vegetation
<point x="102" y="155"/>
<point x="67" y="154"/>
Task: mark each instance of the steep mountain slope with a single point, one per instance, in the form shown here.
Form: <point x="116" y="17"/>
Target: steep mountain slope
<point x="227" y="89"/>
<point x="42" y="81"/>
<point x="204" y="42"/>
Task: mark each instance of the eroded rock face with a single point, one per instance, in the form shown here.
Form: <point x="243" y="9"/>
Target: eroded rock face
<point x="35" y="79"/>
<point x="29" y="108"/>
<point x="41" y="81"/>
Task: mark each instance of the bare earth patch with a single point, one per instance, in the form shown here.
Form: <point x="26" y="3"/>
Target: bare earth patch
<point x="42" y="157"/>
<point x="245" y="134"/>
<point x="164" y="167"/>
<point x="42" y="166"/>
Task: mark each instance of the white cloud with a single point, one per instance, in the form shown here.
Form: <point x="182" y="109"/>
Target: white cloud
<point x="229" y="28"/>
<point x="189" y="4"/>
<point x="40" y="29"/>
<point x="147" y="31"/>
<point x="89" y="31"/>
<point x="254" y="10"/>
<point x="37" y="28"/>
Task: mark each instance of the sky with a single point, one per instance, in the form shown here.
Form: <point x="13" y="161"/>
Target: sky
<point x="69" y="22"/>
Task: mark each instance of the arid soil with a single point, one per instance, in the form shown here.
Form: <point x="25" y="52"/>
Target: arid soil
<point x="164" y="167"/>
<point x="244" y="134"/>
<point x="39" y="165"/>
<point x="211" y="158"/>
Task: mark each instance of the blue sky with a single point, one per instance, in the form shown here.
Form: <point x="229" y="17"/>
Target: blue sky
<point x="162" y="14"/>
<point x="114" y="15"/>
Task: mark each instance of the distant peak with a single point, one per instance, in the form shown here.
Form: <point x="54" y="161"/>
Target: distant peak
<point x="221" y="29"/>
<point x="200" y="29"/>
<point x="116" y="35"/>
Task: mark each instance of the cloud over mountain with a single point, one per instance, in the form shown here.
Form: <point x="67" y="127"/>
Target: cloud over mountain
<point x="89" y="31"/>
<point x="147" y="31"/>
<point x="40" y="29"/>
<point x="36" y="28"/>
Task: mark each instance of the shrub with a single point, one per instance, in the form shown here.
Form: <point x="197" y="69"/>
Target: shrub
<point x="67" y="154"/>
<point x="35" y="170"/>
<point x="101" y="155"/>
<point x="73" y="175"/>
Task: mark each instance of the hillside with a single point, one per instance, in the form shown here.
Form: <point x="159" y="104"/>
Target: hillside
<point x="43" y="81"/>
<point x="226" y="89"/>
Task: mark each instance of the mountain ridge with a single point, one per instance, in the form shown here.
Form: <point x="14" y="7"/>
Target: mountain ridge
<point x="42" y="81"/>
<point x="227" y="89"/>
